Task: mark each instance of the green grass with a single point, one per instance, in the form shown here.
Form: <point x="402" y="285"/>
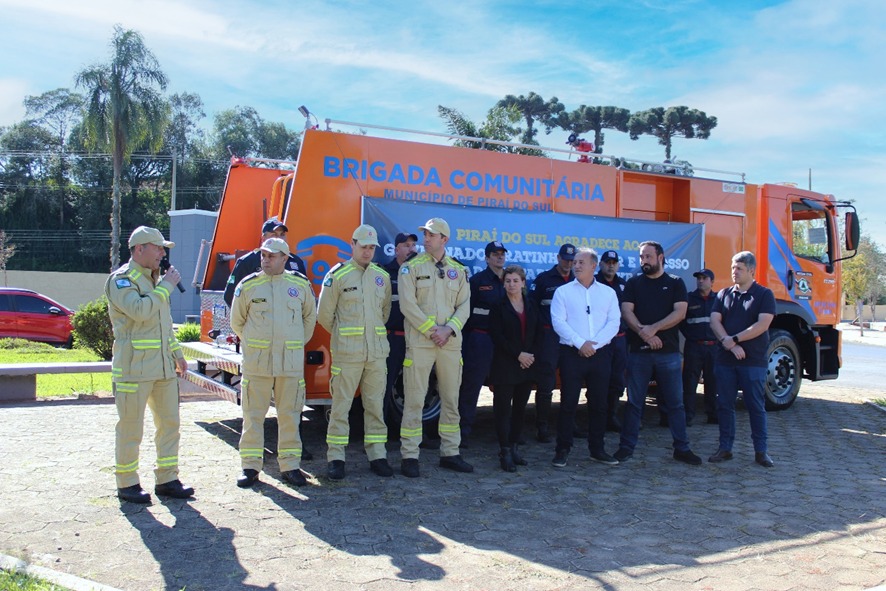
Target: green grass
<point x="16" y="581"/>
<point x="21" y="351"/>
<point x="880" y="402"/>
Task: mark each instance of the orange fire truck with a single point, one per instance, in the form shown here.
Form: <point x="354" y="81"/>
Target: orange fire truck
<point x="532" y="204"/>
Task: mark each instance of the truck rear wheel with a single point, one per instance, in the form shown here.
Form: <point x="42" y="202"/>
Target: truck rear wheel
<point x="784" y="372"/>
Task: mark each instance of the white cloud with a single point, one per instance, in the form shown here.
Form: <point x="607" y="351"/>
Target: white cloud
<point x="12" y="93"/>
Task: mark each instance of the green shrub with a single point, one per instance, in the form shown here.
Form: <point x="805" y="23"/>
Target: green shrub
<point x="188" y="333"/>
<point x="92" y="328"/>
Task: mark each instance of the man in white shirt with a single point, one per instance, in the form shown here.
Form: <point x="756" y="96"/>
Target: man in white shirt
<point x="586" y="317"/>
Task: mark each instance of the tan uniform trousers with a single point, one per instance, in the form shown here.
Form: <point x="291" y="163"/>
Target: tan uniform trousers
<point x="131" y="399"/>
<point x="371" y="377"/>
<point x="416" y="373"/>
<point x="289" y="400"/>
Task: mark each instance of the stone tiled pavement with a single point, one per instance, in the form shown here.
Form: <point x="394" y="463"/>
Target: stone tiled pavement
<point x="815" y="521"/>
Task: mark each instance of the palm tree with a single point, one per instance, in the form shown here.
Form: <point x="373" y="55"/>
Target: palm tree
<point x="124" y="110"/>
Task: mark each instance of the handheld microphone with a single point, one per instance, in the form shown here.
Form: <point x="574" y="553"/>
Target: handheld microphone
<point x="164" y="266"/>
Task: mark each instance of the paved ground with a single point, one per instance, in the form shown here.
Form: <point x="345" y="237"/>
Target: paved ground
<point x="815" y="521"/>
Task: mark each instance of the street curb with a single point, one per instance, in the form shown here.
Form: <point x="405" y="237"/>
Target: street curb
<point x="881" y="409"/>
<point x="65" y="580"/>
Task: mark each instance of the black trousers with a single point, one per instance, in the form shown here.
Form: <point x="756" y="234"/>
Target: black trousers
<point x="509" y="407"/>
<point x="592" y="373"/>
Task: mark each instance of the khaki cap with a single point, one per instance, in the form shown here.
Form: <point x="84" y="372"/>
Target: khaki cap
<point x="365" y="235"/>
<point x="436" y="226"/>
<point x="275" y="245"/>
<point x="146" y="235"/>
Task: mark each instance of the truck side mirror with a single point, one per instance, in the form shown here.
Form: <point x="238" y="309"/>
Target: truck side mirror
<point x="853" y="231"/>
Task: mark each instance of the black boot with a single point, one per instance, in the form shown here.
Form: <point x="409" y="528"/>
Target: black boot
<point x="518" y="459"/>
<point x="507" y="460"/>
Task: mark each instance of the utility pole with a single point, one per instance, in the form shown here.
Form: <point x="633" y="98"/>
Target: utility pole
<point x="172" y="198"/>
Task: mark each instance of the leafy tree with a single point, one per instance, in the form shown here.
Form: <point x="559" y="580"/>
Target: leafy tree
<point x="57" y="110"/>
<point x="532" y="108"/>
<point x="665" y="124"/>
<point x="184" y="131"/>
<point x="6" y="252"/>
<point x="596" y="119"/>
<point x="24" y="199"/>
<point x="244" y="131"/>
<point x="499" y="125"/>
<point x="864" y="275"/>
<point x="125" y="110"/>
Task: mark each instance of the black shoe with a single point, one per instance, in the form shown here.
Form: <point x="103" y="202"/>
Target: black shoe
<point x="409" y="468"/>
<point x="248" y="478"/>
<point x="506" y="459"/>
<point x="134" y="494"/>
<point x="455" y="463"/>
<point x="294" y="477"/>
<point x="543" y="435"/>
<point x="613" y="425"/>
<point x="687" y="457"/>
<point x="306" y="455"/>
<point x="336" y="470"/>
<point x="174" y="489"/>
<point x="560" y="457"/>
<point x="722" y="455"/>
<point x="604" y="458"/>
<point x="381" y="467"/>
<point x="518" y="459"/>
<point x="623" y="454"/>
<point x="762" y="458"/>
<point x="713" y="420"/>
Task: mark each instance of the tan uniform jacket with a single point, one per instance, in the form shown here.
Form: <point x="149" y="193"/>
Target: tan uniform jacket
<point x="274" y="316"/>
<point x="427" y="300"/>
<point x="354" y="305"/>
<point x="145" y="347"/>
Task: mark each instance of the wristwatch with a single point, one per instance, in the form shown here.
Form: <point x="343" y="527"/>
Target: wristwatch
<point x="735" y="339"/>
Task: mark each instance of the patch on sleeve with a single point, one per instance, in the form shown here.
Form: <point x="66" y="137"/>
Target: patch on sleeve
<point x="123" y="282"/>
<point x="379" y="281"/>
<point x="237" y="291"/>
<point x="404" y="270"/>
<point x="328" y="281"/>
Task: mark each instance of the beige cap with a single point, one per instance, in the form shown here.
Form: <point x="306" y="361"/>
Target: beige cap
<point x="365" y="235"/>
<point x="436" y="226"/>
<point x="146" y="235"/>
<point x="275" y="245"/>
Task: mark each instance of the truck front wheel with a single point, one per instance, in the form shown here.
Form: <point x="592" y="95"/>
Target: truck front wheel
<point x="784" y="372"/>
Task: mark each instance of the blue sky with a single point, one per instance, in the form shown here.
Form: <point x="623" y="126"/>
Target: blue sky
<point x="795" y="85"/>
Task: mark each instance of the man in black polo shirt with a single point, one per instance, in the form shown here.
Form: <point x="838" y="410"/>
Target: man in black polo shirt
<point x="654" y="304"/>
<point x="700" y="348"/>
<point x="740" y="320"/>
<point x="404" y="249"/>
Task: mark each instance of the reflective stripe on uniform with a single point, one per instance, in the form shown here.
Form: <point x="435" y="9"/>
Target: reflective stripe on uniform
<point x="252" y="452"/>
<point x="351" y="331"/>
<point x="381" y="331"/>
<point x="334" y="370"/>
<point x="336" y="439"/>
<point x="410" y="432"/>
<point x="127" y="468"/>
<point x="427" y="324"/>
<point x="258" y="343"/>
<point x="141" y="344"/>
<point x="126" y="387"/>
<point x="289" y="451"/>
<point x="167" y="462"/>
<point x="699" y="320"/>
<point x="458" y="324"/>
<point x="295" y="344"/>
<point x="162" y="292"/>
<point x="377" y="438"/>
<point x="449" y="428"/>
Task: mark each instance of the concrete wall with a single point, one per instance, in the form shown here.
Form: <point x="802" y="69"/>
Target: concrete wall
<point x="70" y="289"/>
<point x="849" y="313"/>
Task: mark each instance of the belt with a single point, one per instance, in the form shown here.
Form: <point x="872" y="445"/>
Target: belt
<point x="621" y="334"/>
<point x="546" y="326"/>
<point x="481" y="331"/>
<point x="398" y="333"/>
<point x="706" y="342"/>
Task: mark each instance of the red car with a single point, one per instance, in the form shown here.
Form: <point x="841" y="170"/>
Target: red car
<point x="26" y="314"/>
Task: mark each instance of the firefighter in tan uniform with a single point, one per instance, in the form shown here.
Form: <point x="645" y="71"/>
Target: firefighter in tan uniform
<point x="436" y="301"/>
<point x="355" y="303"/>
<point x="274" y="314"/>
<point x="147" y="358"/>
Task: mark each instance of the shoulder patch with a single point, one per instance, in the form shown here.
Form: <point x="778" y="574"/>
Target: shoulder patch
<point x="123" y="282"/>
<point x="404" y="270"/>
<point x="328" y="281"/>
<point x="237" y="291"/>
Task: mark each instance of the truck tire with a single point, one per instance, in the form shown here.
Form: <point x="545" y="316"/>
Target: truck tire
<point x="785" y="371"/>
<point x="394" y="407"/>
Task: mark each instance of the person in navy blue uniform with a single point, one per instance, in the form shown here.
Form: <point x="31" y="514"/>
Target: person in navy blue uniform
<point x="542" y="293"/>
<point x="608" y="275"/>
<point x="700" y="347"/>
<point x="404" y="249"/>
<point x="250" y="262"/>
<point x="487" y="290"/>
<point x="740" y="320"/>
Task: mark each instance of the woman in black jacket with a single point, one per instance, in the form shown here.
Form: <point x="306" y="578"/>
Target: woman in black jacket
<point x="516" y="335"/>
